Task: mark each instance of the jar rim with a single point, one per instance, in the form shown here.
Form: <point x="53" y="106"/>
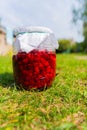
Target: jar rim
<point x="31" y="29"/>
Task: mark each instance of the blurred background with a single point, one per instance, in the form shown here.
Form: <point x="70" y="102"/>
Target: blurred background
<point x="67" y="19"/>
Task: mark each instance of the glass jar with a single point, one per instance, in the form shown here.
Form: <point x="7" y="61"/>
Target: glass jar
<point x="34" y="57"/>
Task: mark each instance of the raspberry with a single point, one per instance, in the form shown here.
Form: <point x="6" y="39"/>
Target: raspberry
<point x="35" y="69"/>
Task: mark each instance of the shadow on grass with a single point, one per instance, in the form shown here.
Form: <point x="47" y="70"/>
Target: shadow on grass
<point x="6" y="80"/>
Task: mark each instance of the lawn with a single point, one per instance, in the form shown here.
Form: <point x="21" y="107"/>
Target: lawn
<point x="61" y="107"/>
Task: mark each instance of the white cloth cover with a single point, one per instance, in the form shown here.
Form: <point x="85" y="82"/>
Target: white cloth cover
<point x="31" y="38"/>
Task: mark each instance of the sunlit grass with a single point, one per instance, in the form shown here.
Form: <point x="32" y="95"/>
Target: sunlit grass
<point x="61" y="107"/>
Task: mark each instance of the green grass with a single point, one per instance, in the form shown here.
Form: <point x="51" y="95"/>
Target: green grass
<point x="61" y="107"/>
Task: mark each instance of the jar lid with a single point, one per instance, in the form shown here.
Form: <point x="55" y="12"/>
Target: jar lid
<point x="35" y="29"/>
<point x="31" y="38"/>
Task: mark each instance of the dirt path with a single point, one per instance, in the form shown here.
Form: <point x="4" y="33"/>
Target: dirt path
<point x="81" y="57"/>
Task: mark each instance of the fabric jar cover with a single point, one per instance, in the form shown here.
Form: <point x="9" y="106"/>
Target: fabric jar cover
<point x="30" y="38"/>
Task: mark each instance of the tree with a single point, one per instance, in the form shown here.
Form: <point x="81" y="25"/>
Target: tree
<point x="80" y="13"/>
<point x="64" y="45"/>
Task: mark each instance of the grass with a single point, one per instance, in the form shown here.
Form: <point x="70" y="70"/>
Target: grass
<point x="61" y="107"/>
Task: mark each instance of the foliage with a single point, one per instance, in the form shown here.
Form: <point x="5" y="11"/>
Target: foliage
<point x="80" y="13"/>
<point x="85" y="36"/>
<point x="74" y="48"/>
<point x="61" y="107"/>
<point x="64" y="45"/>
<point x="78" y="47"/>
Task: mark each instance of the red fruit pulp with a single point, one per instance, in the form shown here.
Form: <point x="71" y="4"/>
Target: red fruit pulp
<point x="35" y="69"/>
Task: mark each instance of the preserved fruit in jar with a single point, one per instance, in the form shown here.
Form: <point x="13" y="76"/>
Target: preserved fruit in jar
<point x="34" y="58"/>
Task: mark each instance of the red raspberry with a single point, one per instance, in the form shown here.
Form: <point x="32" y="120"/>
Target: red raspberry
<point x="35" y="69"/>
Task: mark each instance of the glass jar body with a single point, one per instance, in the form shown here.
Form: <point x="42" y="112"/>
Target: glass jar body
<point x="34" y="70"/>
<point x="34" y="57"/>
